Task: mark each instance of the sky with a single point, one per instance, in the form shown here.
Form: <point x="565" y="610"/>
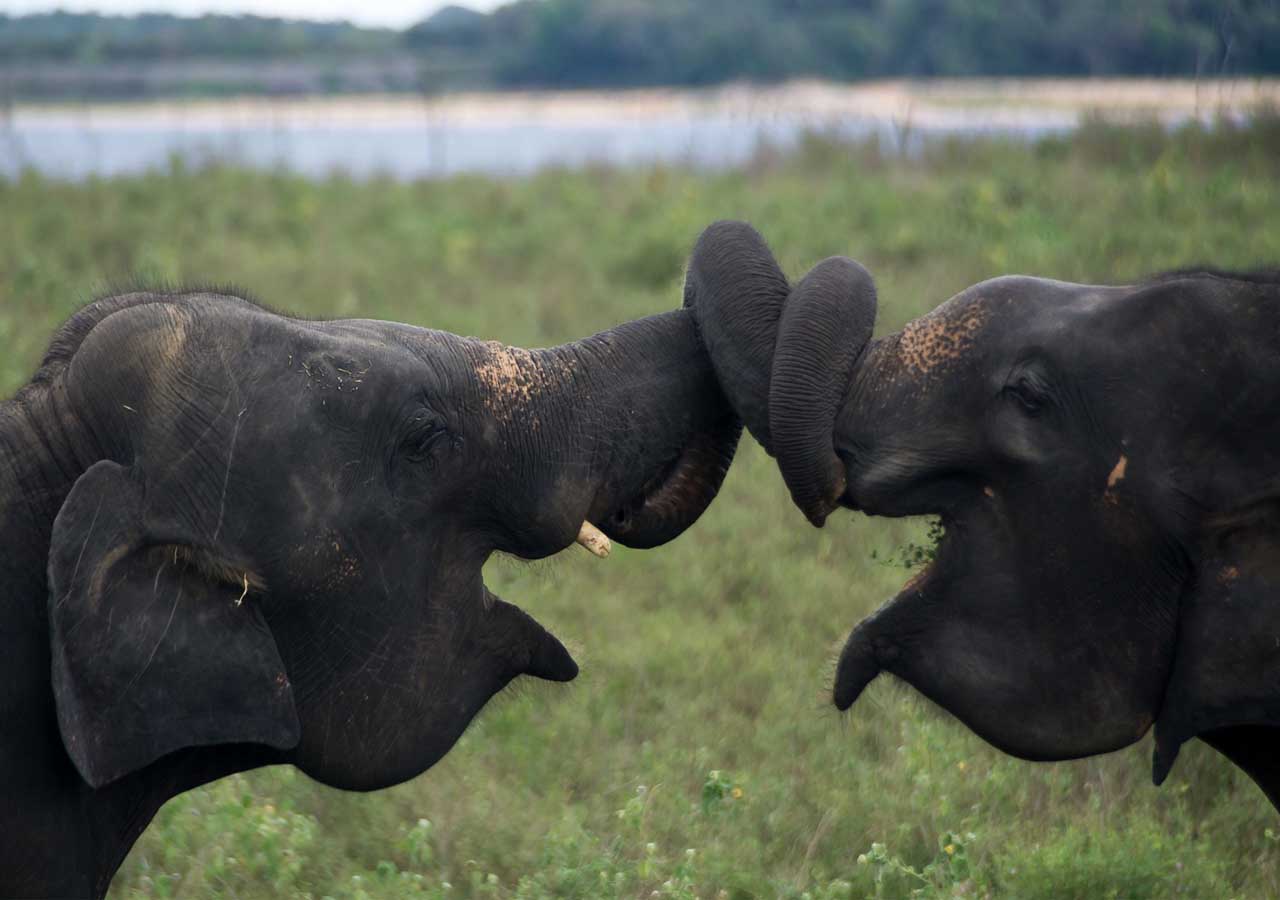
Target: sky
<point x="393" y="13"/>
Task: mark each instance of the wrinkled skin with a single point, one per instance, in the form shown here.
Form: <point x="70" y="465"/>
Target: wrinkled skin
<point x="1104" y="462"/>
<point x="235" y="538"/>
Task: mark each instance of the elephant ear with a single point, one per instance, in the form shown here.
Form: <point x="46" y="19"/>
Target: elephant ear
<point x="1225" y="684"/>
<point x="151" y="651"/>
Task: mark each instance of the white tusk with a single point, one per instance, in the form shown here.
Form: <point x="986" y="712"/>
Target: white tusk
<point x="594" y="540"/>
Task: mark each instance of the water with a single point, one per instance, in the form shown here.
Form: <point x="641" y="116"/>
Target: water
<point x="74" y="146"/>
<point x="517" y="134"/>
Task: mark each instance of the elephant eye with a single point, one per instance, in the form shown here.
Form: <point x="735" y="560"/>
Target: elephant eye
<point x="1026" y="395"/>
<point x="424" y="437"/>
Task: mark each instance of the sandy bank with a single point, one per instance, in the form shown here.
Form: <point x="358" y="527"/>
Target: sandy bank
<point x="981" y="103"/>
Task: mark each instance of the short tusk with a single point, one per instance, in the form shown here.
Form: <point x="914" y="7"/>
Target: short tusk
<point x="594" y="540"/>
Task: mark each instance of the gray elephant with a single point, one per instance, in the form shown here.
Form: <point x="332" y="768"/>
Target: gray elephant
<point x="233" y="538"/>
<point x="1103" y="460"/>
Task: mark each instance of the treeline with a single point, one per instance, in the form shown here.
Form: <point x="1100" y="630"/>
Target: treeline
<point x="89" y="37"/>
<point x="623" y="42"/>
<point x="618" y="43"/>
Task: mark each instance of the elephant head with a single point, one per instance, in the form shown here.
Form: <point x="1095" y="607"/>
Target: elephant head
<point x="1102" y="460"/>
<point x="277" y="533"/>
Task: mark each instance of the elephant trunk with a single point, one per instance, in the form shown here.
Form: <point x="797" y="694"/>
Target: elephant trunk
<point x="736" y="292"/>
<point x="785" y="358"/>
<point x="824" y="331"/>
<point x="660" y="431"/>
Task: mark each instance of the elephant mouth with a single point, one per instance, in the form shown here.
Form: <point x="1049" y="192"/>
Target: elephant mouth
<point x="904" y="483"/>
<point x="868" y="651"/>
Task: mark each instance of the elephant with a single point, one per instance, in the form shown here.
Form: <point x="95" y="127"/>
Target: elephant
<point x="1102" y="460"/>
<point x="235" y="538"/>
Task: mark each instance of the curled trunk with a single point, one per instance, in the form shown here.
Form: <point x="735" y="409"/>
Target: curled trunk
<point x="736" y="291"/>
<point x="652" y="427"/>
<point x="784" y="357"/>
<point x="824" y="330"/>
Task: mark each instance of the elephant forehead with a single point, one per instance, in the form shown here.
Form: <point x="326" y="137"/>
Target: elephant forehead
<point x="1003" y="314"/>
<point x="169" y="343"/>
<point x="937" y="340"/>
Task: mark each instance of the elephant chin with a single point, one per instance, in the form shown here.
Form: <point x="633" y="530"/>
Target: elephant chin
<point x="504" y="644"/>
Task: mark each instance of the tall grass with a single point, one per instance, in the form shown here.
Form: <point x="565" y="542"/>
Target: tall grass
<point x="698" y="754"/>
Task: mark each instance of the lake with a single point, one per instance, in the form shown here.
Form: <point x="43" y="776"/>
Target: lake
<point x="521" y="133"/>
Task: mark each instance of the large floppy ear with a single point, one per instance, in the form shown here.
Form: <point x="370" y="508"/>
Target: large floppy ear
<point x="1225" y="682"/>
<point x="153" y="651"/>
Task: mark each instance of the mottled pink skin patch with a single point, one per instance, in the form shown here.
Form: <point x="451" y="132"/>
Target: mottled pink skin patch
<point x="941" y="337"/>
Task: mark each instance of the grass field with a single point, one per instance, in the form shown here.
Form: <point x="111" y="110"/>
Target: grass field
<point x="698" y="754"/>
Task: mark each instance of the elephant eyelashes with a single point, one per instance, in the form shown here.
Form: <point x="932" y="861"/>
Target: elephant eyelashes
<point x="1026" y="395"/>
<point x="424" y="439"/>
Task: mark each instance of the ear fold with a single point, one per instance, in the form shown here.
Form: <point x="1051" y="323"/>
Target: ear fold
<point x="1226" y="668"/>
<point x="150" y="654"/>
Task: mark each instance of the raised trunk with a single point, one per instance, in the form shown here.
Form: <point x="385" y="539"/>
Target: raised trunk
<point x="736" y="292"/>
<point x="784" y="357"/>
<point x="636" y="423"/>
<point x="669" y="433"/>
<point x="823" y="333"/>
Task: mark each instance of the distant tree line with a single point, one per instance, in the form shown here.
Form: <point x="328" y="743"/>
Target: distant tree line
<point x="629" y="42"/>
<point x="617" y="43"/>
<point x="90" y="37"/>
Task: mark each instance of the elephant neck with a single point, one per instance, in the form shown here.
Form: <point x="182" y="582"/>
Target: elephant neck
<point x="122" y="811"/>
<point x="42" y="453"/>
<point x="37" y="471"/>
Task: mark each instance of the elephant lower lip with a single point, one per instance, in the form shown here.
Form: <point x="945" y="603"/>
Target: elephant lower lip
<point x="864" y="655"/>
<point x="526" y="646"/>
<point x="552" y="662"/>
<point x="856" y="669"/>
<point x="548" y="658"/>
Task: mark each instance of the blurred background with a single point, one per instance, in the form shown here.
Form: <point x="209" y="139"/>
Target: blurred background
<point x="536" y="171"/>
<point x="513" y="88"/>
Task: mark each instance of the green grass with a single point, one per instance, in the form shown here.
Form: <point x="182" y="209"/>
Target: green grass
<point x="698" y="754"/>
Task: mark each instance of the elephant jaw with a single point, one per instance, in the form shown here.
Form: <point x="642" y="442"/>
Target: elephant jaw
<point x="496" y="644"/>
